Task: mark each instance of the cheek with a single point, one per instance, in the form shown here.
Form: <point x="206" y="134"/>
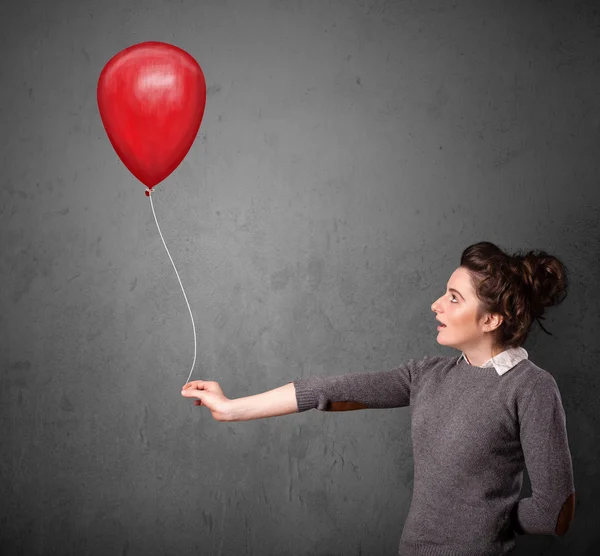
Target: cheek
<point x="456" y="318"/>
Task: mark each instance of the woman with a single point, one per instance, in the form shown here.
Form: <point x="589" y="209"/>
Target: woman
<point x="477" y="419"/>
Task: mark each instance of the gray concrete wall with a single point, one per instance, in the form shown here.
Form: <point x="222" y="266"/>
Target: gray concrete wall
<point x="349" y="152"/>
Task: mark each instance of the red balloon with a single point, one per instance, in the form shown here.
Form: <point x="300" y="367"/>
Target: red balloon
<point x="151" y="98"/>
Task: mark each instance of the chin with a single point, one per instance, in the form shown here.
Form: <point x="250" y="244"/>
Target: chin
<point x="442" y="342"/>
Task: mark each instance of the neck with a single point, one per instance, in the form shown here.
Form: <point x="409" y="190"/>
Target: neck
<point x="478" y="357"/>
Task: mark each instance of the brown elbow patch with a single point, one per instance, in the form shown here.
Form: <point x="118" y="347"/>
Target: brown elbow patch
<point x="566" y="515"/>
<point x="346" y="406"/>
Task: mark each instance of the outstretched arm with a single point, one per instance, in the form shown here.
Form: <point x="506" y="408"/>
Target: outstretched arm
<point x="347" y="392"/>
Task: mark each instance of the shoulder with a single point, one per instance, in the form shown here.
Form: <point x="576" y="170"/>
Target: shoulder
<point x="440" y="360"/>
<point x="535" y="377"/>
<point x="538" y="387"/>
<point x="433" y="362"/>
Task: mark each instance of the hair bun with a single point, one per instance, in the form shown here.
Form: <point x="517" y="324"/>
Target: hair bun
<point x="528" y="267"/>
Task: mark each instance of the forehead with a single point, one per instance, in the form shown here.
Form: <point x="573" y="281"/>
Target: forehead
<point x="460" y="279"/>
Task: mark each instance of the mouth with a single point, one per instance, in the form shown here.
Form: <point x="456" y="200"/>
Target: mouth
<point x="441" y="325"/>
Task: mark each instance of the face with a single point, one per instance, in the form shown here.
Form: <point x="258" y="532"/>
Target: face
<point x="457" y="309"/>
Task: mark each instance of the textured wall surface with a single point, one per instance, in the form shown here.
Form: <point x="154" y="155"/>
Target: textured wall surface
<point x="350" y="150"/>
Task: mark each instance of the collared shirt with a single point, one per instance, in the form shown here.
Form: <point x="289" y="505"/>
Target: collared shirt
<point x="503" y="362"/>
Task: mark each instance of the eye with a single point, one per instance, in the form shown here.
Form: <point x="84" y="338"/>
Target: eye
<point x="454" y="297"/>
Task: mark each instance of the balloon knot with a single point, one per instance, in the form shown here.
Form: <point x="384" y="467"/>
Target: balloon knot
<point x="148" y="192"/>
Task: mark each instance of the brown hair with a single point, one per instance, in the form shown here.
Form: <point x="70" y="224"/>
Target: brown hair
<point x="518" y="287"/>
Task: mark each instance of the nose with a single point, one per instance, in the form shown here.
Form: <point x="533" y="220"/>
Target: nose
<point x="434" y="306"/>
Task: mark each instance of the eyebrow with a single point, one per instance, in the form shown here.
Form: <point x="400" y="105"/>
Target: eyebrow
<point x="453" y="290"/>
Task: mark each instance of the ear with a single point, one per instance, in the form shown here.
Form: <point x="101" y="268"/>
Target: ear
<point x="493" y="321"/>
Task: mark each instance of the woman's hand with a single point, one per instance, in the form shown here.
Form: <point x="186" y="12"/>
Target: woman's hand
<point x="209" y="394"/>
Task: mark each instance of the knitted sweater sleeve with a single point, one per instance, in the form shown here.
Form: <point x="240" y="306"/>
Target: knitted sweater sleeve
<point x="359" y="390"/>
<point x="547" y="458"/>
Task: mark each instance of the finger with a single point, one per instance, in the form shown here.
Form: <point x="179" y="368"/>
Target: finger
<point x="194" y="384"/>
<point x="192" y="393"/>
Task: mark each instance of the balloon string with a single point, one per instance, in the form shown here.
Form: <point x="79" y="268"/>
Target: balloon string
<point x="149" y="194"/>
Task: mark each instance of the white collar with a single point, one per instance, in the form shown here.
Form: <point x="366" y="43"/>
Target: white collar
<point x="504" y="361"/>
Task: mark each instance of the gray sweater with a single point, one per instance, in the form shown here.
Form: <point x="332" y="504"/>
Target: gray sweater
<point x="474" y="429"/>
